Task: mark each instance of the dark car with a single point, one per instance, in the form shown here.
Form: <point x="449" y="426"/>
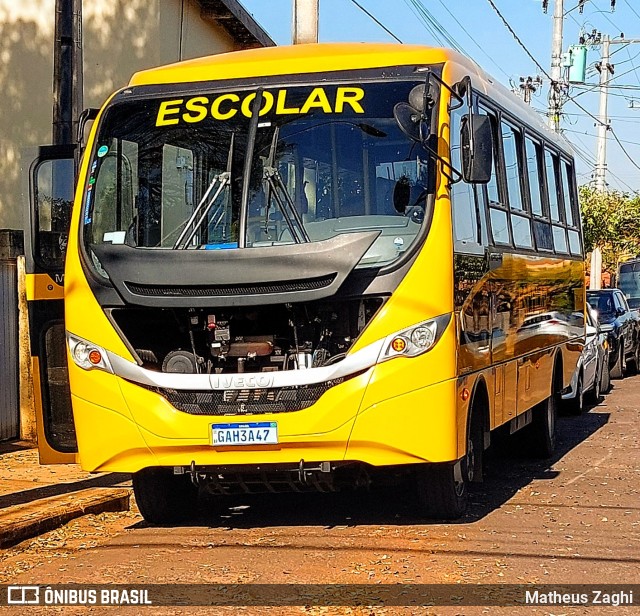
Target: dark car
<point x="622" y="325"/>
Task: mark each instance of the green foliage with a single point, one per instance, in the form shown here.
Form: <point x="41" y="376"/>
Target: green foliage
<point x="611" y="222"/>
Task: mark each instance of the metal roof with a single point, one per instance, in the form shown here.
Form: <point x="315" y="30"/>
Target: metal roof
<point x="235" y="19"/>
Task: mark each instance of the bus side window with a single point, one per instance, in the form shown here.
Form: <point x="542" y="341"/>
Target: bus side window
<point x="572" y="215"/>
<point x="511" y="140"/>
<point x="498" y="213"/>
<point x="467" y="225"/>
<point x="551" y="167"/>
<point x="555" y="196"/>
<point x="533" y="173"/>
<point x="493" y="186"/>
<point x="541" y="226"/>
<point x="514" y="167"/>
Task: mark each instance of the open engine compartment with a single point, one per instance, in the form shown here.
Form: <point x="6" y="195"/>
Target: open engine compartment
<point x="244" y="339"/>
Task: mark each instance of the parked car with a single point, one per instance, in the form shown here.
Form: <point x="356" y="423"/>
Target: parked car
<point x="591" y="377"/>
<point x="622" y="324"/>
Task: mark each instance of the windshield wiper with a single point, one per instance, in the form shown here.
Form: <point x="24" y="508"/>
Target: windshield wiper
<point x="203" y="208"/>
<point x="275" y="188"/>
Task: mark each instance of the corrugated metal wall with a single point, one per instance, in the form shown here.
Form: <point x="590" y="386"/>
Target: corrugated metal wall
<point x="9" y="383"/>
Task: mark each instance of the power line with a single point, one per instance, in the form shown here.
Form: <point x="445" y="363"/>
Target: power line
<point x="633" y="162"/>
<point x="632" y="9"/>
<point x="376" y="20"/>
<point x="579" y="132"/>
<point x="515" y="36"/>
<point x="473" y="40"/>
<point x="588" y="159"/>
<point x="591" y="88"/>
<point x="434" y="26"/>
<point x="598" y="120"/>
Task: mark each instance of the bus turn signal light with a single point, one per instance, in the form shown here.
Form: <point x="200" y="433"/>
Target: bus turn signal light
<point x="398" y="344"/>
<point x="95" y="357"/>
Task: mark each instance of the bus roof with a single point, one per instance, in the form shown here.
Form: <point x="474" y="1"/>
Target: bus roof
<point x="321" y="57"/>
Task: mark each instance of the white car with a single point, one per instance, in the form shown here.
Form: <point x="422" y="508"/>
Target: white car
<point x="591" y="378"/>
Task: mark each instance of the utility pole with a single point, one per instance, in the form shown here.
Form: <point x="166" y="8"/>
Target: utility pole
<point x="555" y="102"/>
<point x="603" y="121"/>
<point x="595" y="278"/>
<point x="67" y="70"/>
<point x="305" y="21"/>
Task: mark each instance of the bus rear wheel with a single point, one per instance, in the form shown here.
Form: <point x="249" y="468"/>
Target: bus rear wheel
<point x="443" y="488"/>
<point x="543" y="427"/>
<point x="164" y="498"/>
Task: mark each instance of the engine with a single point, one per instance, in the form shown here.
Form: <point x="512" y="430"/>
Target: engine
<point x="244" y="339"/>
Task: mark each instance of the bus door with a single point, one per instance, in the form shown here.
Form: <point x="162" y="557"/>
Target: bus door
<point x="51" y="187"/>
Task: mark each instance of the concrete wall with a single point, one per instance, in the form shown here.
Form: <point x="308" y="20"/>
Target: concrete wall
<point x="120" y="37"/>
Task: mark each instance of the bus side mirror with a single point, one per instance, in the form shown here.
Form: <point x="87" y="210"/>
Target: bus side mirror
<point x="476" y="139"/>
<point x="413" y="117"/>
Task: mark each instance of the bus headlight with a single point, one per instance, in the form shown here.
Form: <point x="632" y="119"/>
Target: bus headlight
<point x="415" y="340"/>
<point x="88" y="355"/>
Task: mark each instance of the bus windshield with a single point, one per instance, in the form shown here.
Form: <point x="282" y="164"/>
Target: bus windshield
<point x="629" y="282"/>
<point x="186" y="172"/>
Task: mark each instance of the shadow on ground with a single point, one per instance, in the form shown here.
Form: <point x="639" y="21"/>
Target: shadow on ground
<point x="27" y="496"/>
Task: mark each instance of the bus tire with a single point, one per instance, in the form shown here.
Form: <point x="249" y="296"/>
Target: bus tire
<point x="162" y="497"/>
<point x="443" y="488"/>
<point x="543" y="427"/>
<point x="617" y="372"/>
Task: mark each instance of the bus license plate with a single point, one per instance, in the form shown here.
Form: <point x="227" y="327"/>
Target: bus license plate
<point x="258" y="433"/>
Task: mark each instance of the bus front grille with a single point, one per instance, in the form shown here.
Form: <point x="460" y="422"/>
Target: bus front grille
<point x="246" y="401"/>
<point x="289" y="286"/>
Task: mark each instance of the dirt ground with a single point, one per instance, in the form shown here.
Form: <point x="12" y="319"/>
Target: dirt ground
<point x="572" y="520"/>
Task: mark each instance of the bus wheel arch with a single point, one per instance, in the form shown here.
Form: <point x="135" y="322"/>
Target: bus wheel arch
<point x="542" y="431"/>
<point x="479" y="420"/>
<point x="443" y="488"/>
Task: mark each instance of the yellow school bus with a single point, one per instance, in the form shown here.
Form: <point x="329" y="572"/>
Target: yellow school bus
<point x="318" y="266"/>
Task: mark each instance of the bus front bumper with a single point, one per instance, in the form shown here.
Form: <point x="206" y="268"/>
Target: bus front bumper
<point x="409" y="428"/>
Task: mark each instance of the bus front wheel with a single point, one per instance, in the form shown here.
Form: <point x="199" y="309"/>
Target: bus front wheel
<point x="443" y="488"/>
<point x="162" y="497"/>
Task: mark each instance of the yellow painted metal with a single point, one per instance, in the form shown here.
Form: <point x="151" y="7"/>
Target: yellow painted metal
<point x="42" y="286"/>
<point x="296" y="60"/>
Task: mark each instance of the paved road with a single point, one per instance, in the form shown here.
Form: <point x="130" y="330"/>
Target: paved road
<point x="574" y="519"/>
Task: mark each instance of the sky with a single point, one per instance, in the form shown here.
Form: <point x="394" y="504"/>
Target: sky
<point x="477" y="30"/>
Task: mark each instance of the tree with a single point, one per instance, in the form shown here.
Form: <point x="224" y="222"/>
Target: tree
<point x="611" y="222"/>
